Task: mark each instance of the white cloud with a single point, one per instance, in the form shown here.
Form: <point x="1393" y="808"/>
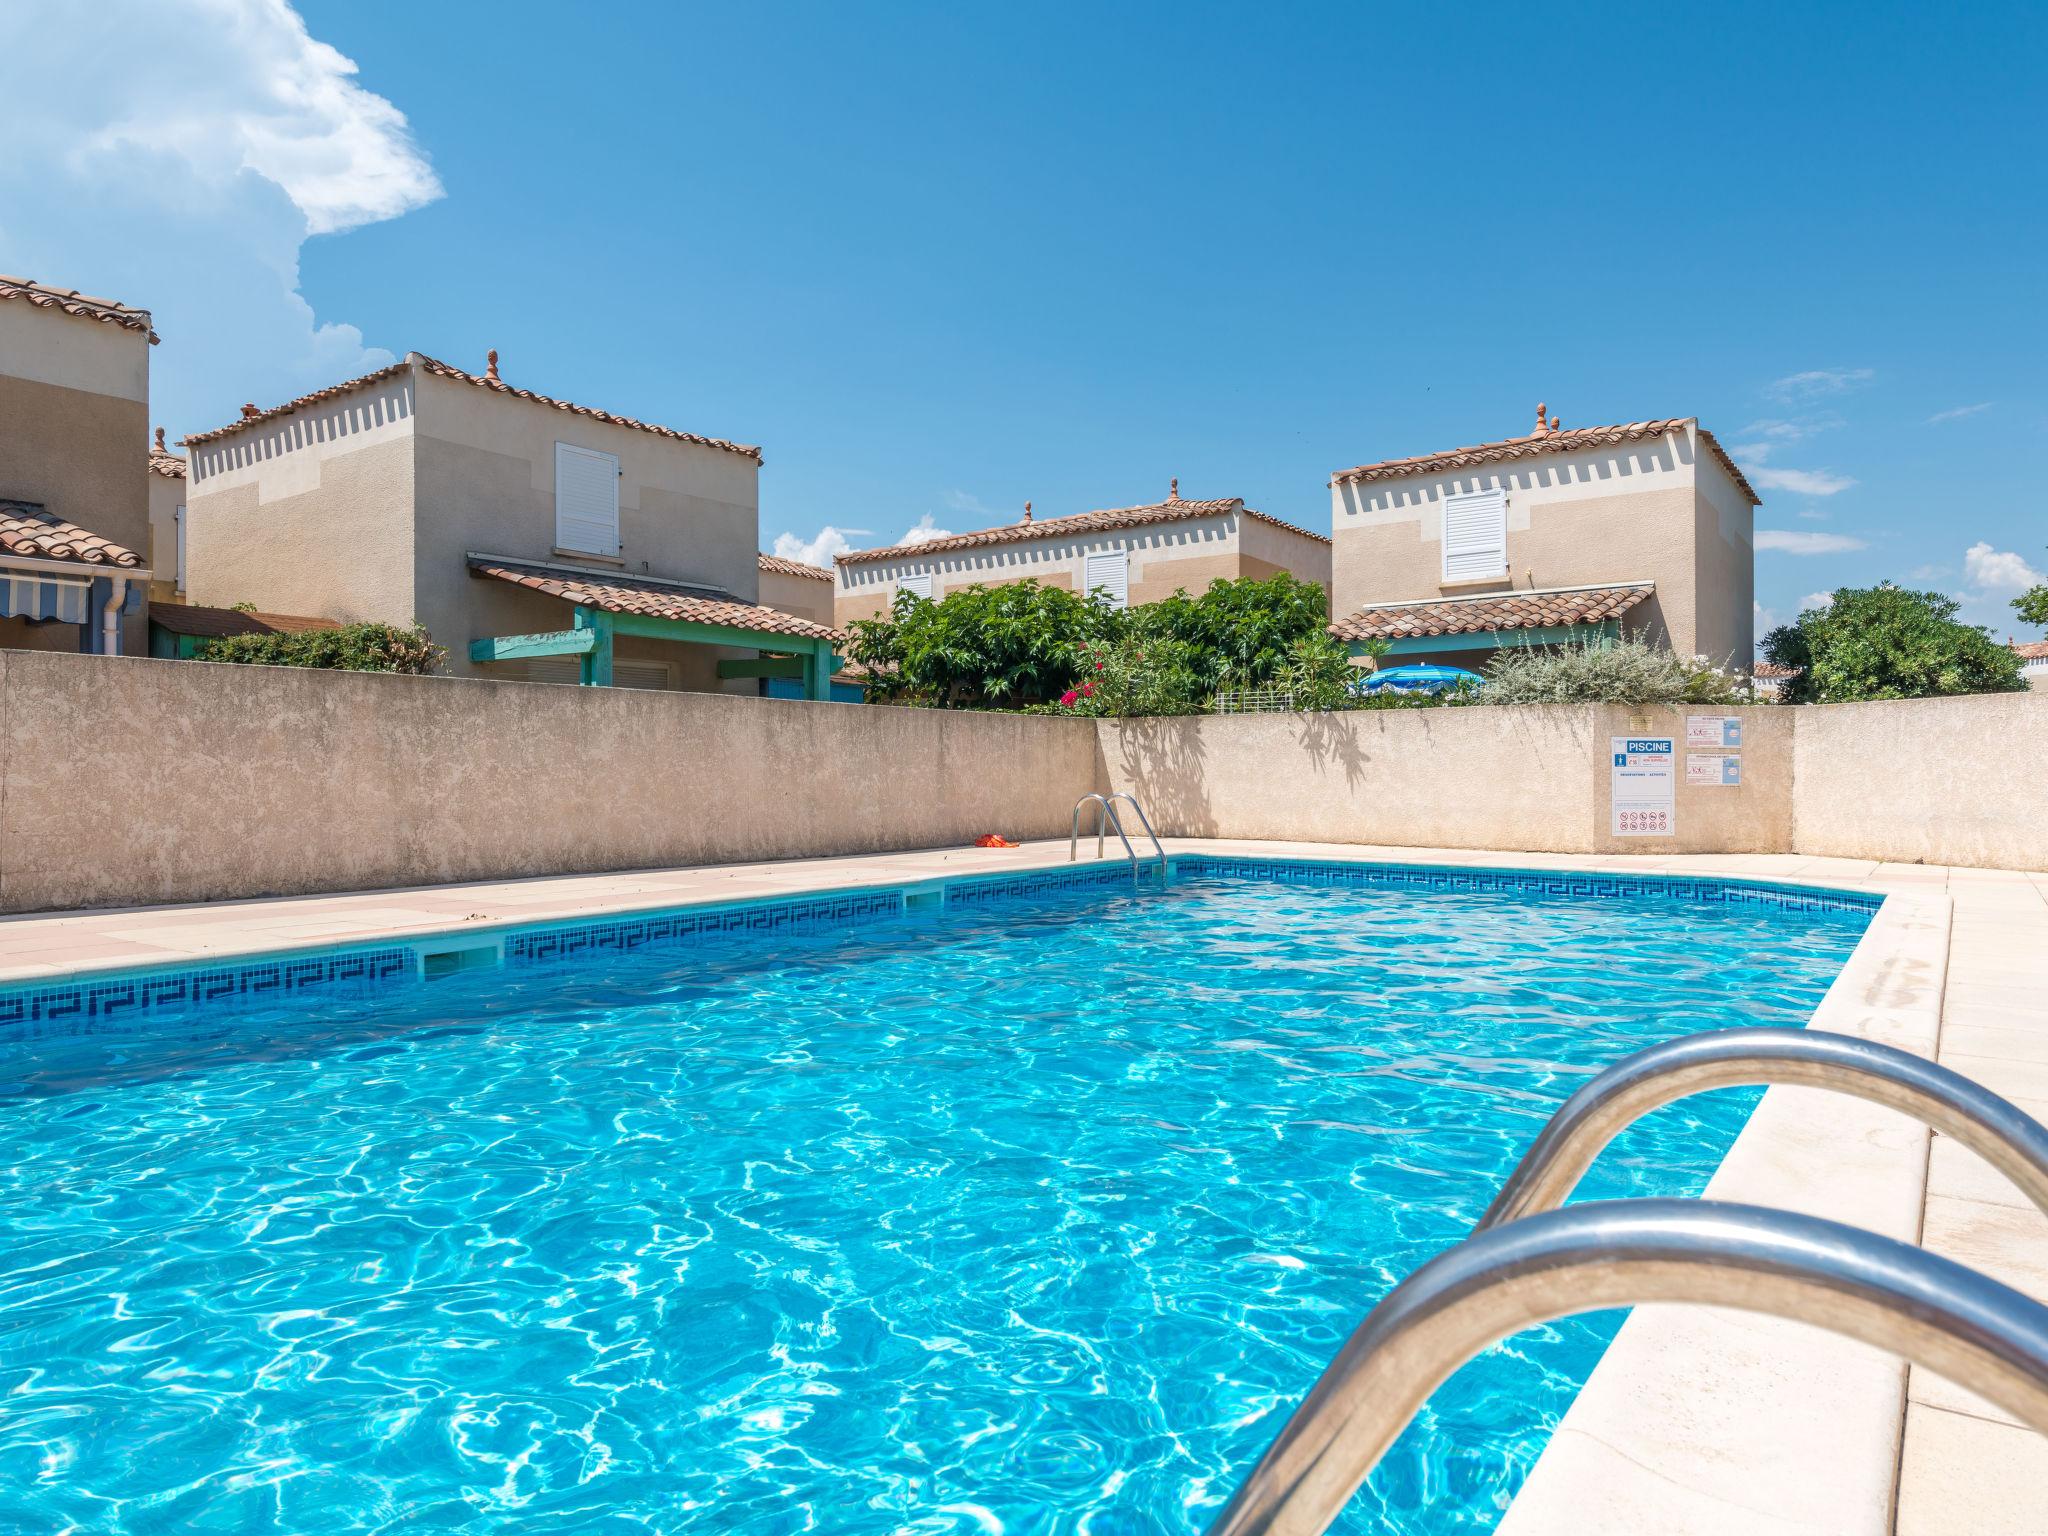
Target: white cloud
<point x="961" y="501"/>
<point x="1765" y="621"/>
<point x="1999" y="572"/>
<point x="1957" y="413"/>
<point x="1814" y="515"/>
<point x="1791" y="431"/>
<point x="186" y="180"/>
<point x="1787" y="541"/>
<point x="1816" y="600"/>
<point x="1816" y="383"/>
<point x="820" y="549"/>
<point x="923" y="531"/>
<point x="1801" y="482"/>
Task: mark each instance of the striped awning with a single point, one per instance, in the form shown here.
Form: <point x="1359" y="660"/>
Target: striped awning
<point x="36" y="595"/>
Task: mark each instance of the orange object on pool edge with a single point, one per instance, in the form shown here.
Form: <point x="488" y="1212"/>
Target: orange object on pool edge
<point x="995" y="840"/>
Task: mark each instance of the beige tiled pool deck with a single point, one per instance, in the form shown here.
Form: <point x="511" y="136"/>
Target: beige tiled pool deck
<point x="1981" y="971"/>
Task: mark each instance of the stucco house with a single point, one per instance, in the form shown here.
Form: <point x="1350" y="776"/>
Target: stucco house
<point x="74" y="512"/>
<point x="2033" y="655"/>
<point x="1133" y="555"/>
<point x="1560" y="536"/>
<point x="537" y="539"/>
<point x="165" y="478"/>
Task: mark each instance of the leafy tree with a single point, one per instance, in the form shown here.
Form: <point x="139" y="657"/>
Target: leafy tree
<point x="351" y="648"/>
<point x="1134" y="674"/>
<point x="2032" y="605"/>
<point x="1886" y="642"/>
<point x="1238" y="633"/>
<point x="980" y="647"/>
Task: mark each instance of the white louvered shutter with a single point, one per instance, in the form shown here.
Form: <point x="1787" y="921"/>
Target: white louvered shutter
<point x="919" y="582"/>
<point x="1475" y="535"/>
<point x="586" y="500"/>
<point x="1111" y="572"/>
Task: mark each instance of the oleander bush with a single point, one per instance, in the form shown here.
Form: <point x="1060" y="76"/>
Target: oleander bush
<point x="1887" y="642"/>
<point x="1629" y="671"/>
<point x="351" y="648"/>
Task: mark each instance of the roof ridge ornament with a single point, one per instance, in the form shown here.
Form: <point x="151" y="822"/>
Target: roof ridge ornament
<point x="491" y="366"/>
<point x="1173" y="492"/>
<point x="1542" y="428"/>
<point x="160" y="448"/>
<point x="1027" y="513"/>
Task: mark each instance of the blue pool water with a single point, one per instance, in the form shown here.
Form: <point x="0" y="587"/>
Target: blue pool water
<point x="1033" y="1216"/>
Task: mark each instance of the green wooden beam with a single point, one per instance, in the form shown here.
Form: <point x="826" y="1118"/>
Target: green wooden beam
<point x="562" y="642"/>
<point x="597" y="660"/>
<point x="818" y="672"/>
<point x="763" y="666"/>
<point x="1501" y="639"/>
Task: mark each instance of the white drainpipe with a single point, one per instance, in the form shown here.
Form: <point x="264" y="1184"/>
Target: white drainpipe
<point x="110" y="617"/>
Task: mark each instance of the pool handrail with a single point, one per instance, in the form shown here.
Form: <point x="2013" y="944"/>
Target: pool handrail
<point x="1936" y="1313"/>
<point x="1106" y="817"/>
<point x="2001" y="1133"/>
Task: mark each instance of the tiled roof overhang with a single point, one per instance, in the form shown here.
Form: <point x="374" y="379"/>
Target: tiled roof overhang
<point x="1493" y="611"/>
<point x="1172" y="511"/>
<point x="1566" y="441"/>
<point x="29" y="531"/>
<point x="79" y="305"/>
<point x="647" y="598"/>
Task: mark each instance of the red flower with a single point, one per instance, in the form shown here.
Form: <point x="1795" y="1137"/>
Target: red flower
<point x="1098" y="666"/>
<point x="1069" y="697"/>
<point x="1088" y="689"/>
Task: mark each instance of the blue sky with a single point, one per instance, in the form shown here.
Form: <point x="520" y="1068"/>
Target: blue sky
<point x="943" y="259"/>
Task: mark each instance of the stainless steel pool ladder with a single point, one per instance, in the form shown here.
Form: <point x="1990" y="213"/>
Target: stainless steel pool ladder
<point x="1107" y="817"/>
<point x="1527" y="1263"/>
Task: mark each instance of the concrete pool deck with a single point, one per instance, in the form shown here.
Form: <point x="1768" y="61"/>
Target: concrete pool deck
<point x="1697" y="1420"/>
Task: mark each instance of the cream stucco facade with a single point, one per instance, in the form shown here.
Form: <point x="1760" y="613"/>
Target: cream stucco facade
<point x="366" y="506"/>
<point x="1664" y="509"/>
<point x="1164" y="557"/>
<point x="74" y="420"/>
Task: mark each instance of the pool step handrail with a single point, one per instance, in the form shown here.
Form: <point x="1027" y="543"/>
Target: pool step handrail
<point x="1107" y="817"/>
<point x="2000" y="1132"/>
<point x="1934" y="1312"/>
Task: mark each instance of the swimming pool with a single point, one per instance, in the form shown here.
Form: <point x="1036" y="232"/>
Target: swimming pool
<point x="1031" y="1213"/>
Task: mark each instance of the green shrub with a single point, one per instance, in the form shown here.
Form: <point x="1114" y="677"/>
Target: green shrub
<point x="1133" y="675"/>
<point x="1886" y="642"/>
<point x="980" y="647"/>
<point x="1238" y="634"/>
<point x="1625" y="672"/>
<point x="351" y="648"/>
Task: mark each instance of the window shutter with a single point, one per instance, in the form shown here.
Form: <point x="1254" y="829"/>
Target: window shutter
<point x="919" y="583"/>
<point x="1475" y="535"/>
<point x="1110" y="571"/>
<point x="586" y="500"/>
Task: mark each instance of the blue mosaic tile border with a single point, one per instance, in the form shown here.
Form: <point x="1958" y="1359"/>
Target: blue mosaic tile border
<point x="1704" y="890"/>
<point x="548" y="942"/>
<point x="116" y="1002"/>
<point x="88" y="1006"/>
<point x="972" y="888"/>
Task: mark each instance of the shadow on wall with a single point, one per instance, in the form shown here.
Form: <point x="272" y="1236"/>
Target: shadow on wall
<point x="1164" y="762"/>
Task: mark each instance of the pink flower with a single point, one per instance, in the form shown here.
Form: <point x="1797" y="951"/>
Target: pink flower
<point x="1098" y="666"/>
<point x="1088" y="689"/>
<point x="1068" y="698"/>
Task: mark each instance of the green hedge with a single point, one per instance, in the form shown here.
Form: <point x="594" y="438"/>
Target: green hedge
<point x="351" y="648"/>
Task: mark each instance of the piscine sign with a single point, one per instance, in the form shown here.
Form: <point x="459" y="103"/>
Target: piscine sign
<point x="1642" y="786"/>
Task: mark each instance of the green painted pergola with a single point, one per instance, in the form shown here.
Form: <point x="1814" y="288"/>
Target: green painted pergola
<point x="789" y="647"/>
<point x="1600" y="636"/>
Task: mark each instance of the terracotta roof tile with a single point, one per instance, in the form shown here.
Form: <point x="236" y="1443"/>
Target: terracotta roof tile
<point x="1565" y="441"/>
<point x="649" y="598"/>
<point x="164" y="462"/>
<point x="783" y="567"/>
<point x="2031" y="650"/>
<point x="1174" y="510"/>
<point x="214" y="623"/>
<point x="31" y="532"/>
<point x="488" y="381"/>
<point x="72" y="302"/>
<point x="1496" y="610"/>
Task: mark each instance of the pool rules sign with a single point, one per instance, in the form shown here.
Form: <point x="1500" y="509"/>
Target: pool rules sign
<point x="1642" y="786"/>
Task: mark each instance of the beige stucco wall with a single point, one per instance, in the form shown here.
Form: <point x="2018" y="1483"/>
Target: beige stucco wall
<point x="166" y="495"/>
<point x="805" y="596"/>
<point x="1941" y="781"/>
<point x="74" y="430"/>
<point x="129" y="780"/>
<point x="1651" y="511"/>
<point x="311" y="513"/>
<point x="1164" y="558"/>
<point x="1528" y="779"/>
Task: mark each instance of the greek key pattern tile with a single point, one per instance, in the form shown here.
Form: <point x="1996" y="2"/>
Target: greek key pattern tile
<point x="118" y="1002"/>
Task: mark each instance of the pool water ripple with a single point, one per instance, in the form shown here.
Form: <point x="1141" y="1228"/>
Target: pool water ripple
<point x="1034" y="1216"/>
